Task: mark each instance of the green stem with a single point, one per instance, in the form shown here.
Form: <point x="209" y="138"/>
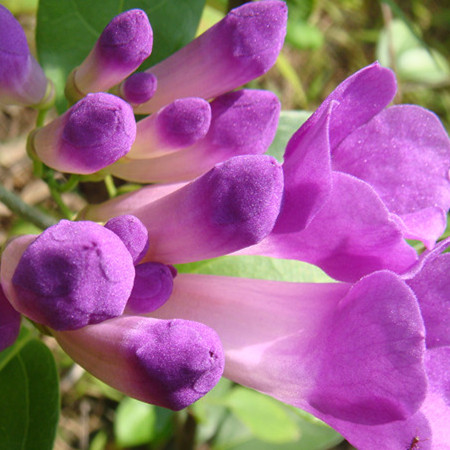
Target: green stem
<point x="19" y="207"/>
<point x="70" y="184"/>
<point x="110" y="186"/>
<point x="56" y="194"/>
<point x="41" y="117"/>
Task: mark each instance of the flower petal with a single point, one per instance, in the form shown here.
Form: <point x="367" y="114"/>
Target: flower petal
<point x="404" y="154"/>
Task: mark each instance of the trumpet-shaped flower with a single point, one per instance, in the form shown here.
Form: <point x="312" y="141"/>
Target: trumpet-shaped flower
<point x="138" y="88"/>
<point x="92" y="134"/>
<point x="360" y="179"/>
<point x="239" y="48"/>
<point x="242" y="123"/>
<point x="22" y="80"/>
<point x="9" y="322"/>
<point x="121" y="48"/>
<point x="353" y="355"/>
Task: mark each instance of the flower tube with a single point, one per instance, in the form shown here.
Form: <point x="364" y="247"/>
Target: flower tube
<point x="368" y="358"/>
<point x="394" y="161"/>
<point x="94" y="133"/>
<point x="241" y="47"/>
<point x="354" y="353"/>
<point x="178" y="125"/>
<point x="242" y="122"/>
<point x="170" y="363"/>
<point x="22" y="80"/>
<point x="121" y="48"/>
<point x="232" y="206"/>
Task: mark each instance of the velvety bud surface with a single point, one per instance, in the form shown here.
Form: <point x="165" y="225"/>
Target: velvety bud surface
<point x="153" y="285"/>
<point x="22" y="80"/>
<point x="232" y="206"/>
<point x="73" y="274"/>
<point x="170" y="363"/>
<point x="178" y="125"/>
<point x="242" y="123"/>
<point x="139" y="87"/>
<point x="94" y="133"/>
<point x="133" y="234"/>
<point x="121" y="48"/>
<point x="9" y="322"/>
<point x="239" y="48"/>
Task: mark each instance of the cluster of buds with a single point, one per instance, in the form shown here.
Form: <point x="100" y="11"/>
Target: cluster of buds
<point x="367" y="353"/>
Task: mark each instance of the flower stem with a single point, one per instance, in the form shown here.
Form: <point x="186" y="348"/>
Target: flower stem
<point x="110" y="186"/>
<point x="19" y="207"/>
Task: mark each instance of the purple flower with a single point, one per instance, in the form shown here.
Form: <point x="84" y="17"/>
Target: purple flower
<point x="360" y="179"/>
<point x="121" y="48"/>
<point x="22" y="80"/>
<point x="242" y="122"/>
<point x="241" y="47"/>
<point x="9" y="322"/>
<point x="369" y="358"/>
<point x="92" y="134"/>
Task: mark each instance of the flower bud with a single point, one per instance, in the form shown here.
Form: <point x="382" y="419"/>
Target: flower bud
<point x="178" y="125"/>
<point x="72" y="275"/>
<point x="170" y="363"/>
<point x="94" y="133"/>
<point x="242" y="46"/>
<point x="22" y="80"/>
<point x="138" y="87"/>
<point x="125" y="42"/>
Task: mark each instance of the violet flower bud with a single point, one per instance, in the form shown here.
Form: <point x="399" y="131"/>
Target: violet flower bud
<point x="230" y="207"/>
<point x="242" y="46"/>
<point x="9" y="322"/>
<point x="170" y="363"/>
<point x="133" y="234"/>
<point x="125" y="42"/>
<point x="94" y="133"/>
<point x="178" y="125"/>
<point x="242" y="123"/>
<point x="138" y="87"/>
<point x="72" y="275"/>
<point x="153" y="286"/>
<point x="22" y="80"/>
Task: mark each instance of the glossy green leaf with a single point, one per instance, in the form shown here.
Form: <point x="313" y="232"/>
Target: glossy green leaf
<point x="264" y="416"/>
<point x="289" y="123"/>
<point x="134" y="422"/>
<point x="67" y="30"/>
<point x="260" y="267"/>
<point x="29" y="399"/>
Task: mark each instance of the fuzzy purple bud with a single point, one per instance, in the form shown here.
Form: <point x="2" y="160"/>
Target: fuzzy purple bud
<point x="242" y="123"/>
<point x="242" y="46"/>
<point x="170" y="363"/>
<point x="72" y="275"/>
<point x="230" y="207"/>
<point x="153" y="285"/>
<point x="133" y="234"/>
<point x="22" y="80"/>
<point x="121" y="48"/>
<point x="139" y="87"/>
<point x="178" y="125"/>
<point x="94" y="133"/>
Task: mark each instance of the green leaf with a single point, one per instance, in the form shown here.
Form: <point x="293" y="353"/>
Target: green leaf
<point x="29" y="399"/>
<point x="260" y="267"/>
<point x="67" y="30"/>
<point x="9" y="353"/>
<point x="264" y="416"/>
<point x="134" y="422"/>
<point x="289" y="123"/>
